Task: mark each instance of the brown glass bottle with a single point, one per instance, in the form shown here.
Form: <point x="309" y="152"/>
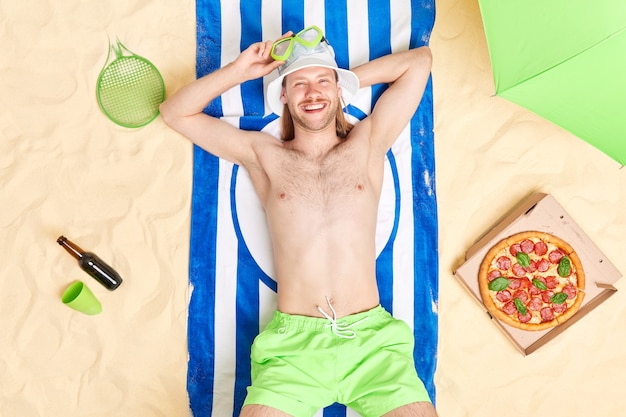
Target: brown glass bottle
<point x="92" y="265"/>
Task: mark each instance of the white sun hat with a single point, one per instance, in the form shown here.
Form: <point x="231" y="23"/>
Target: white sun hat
<point x="321" y="55"/>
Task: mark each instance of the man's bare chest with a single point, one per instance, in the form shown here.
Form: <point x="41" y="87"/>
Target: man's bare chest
<point x="335" y="177"/>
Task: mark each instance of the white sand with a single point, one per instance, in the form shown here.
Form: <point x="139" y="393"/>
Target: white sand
<point x="126" y="195"/>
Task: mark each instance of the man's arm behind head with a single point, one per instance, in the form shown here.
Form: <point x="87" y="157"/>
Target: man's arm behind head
<point x="183" y="111"/>
<point x="407" y="74"/>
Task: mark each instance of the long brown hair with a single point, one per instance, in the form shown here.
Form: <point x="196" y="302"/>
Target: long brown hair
<point x="342" y="126"/>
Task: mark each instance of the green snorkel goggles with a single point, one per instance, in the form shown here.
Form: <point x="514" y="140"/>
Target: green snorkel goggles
<point x="309" y="38"/>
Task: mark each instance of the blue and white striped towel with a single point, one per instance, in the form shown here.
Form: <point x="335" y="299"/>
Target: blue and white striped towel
<point x="233" y="292"/>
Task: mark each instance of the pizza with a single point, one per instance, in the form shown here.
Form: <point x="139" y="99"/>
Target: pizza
<point x="532" y="280"/>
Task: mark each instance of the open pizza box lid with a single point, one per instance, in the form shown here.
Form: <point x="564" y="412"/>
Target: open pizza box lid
<point x="543" y="213"/>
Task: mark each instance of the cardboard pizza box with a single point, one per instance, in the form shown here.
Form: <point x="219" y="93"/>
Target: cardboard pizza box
<point x="543" y="213"/>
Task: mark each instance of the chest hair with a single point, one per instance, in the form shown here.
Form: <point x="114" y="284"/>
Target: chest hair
<point x="321" y="181"/>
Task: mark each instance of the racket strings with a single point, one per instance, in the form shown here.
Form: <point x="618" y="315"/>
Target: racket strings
<point x="130" y="91"/>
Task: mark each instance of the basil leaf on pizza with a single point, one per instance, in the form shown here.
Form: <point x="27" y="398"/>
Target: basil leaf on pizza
<point x="532" y="280"/>
<point x="523" y="259"/>
<point x="520" y="306"/>
<point x="558" y="298"/>
<point x="565" y="266"/>
<point x="499" y="284"/>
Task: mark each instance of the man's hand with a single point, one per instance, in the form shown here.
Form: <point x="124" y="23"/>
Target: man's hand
<point x="256" y="61"/>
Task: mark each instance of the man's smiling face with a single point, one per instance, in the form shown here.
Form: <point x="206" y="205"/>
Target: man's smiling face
<point x="312" y="95"/>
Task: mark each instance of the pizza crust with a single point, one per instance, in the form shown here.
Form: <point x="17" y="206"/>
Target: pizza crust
<point x="503" y="246"/>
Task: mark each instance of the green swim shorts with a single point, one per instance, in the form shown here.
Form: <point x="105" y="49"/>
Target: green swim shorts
<point x="301" y="364"/>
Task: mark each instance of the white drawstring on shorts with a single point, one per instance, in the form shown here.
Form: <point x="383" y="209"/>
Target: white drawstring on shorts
<point x="340" y="329"/>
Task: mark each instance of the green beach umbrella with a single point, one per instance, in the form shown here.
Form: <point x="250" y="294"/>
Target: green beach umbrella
<point x="564" y="60"/>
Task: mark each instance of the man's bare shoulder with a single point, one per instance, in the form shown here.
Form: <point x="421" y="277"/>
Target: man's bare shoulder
<point x="265" y="148"/>
<point x="264" y="143"/>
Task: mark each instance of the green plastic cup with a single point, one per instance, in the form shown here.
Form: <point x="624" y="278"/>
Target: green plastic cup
<point x="79" y="297"/>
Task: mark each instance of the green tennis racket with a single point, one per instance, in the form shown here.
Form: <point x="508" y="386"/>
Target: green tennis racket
<point x="130" y="88"/>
